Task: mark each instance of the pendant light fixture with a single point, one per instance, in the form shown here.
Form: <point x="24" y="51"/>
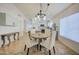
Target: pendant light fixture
<point x="41" y="15"/>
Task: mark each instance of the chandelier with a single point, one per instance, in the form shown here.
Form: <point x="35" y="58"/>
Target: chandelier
<point x="41" y="15"/>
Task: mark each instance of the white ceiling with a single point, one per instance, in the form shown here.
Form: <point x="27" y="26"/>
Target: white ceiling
<point x="30" y="9"/>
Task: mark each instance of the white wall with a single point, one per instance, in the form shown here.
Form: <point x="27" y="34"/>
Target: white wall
<point x="69" y="27"/>
<point x="13" y="15"/>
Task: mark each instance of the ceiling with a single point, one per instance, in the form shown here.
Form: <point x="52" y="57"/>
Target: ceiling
<point x="30" y="9"/>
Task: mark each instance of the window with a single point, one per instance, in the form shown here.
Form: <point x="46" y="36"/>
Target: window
<point x="69" y="27"/>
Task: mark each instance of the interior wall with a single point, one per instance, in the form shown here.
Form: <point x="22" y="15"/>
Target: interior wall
<point x="14" y="17"/>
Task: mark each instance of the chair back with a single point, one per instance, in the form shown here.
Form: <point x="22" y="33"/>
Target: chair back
<point x="27" y="39"/>
<point x="53" y="38"/>
<point x="33" y="31"/>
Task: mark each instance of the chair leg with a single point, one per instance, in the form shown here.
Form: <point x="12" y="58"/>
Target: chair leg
<point x="27" y="51"/>
<point x="37" y="46"/>
<point x="25" y="47"/>
<point x="40" y="47"/>
<point x="49" y="52"/>
<point x="54" y="49"/>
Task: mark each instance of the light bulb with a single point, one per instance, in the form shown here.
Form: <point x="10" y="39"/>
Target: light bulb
<point x="35" y="18"/>
<point x="38" y="17"/>
<point x="44" y="18"/>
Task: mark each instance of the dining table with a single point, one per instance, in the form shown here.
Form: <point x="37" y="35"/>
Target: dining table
<point x="38" y="35"/>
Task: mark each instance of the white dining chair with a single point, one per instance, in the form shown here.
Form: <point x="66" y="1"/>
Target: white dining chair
<point x="29" y="42"/>
<point x="49" y="43"/>
<point x="32" y="32"/>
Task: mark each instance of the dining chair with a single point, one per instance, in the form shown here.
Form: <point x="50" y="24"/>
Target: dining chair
<point x="49" y="43"/>
<point x="31" y="32"/>
<point x="29" y="42"/>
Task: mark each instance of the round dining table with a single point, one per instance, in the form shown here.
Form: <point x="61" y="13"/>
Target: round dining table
<point x="40" y="36"/>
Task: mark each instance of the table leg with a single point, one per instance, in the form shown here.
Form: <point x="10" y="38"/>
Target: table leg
<point x="40" y="47"/>
<point x="3" y="39"/>
<point x="18" y="35"/>
<point x="39" y="44"/>
<point x="9" y="40"/>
